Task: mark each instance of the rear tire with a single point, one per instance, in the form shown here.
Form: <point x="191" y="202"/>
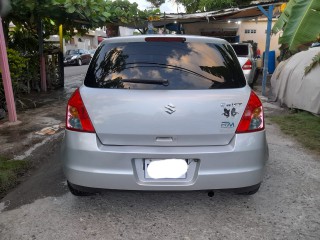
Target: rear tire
<point x="255" y="78"/>
<point x="248" y="190"/>
<point x="77" y="192"/>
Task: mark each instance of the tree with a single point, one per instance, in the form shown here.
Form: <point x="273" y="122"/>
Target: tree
<point x="83" y="15"/>
<point x="300" y="25"/>
<point x="38" y="19"/>
<point x="97" y="13"/>
<point x="244" y="2"/>
<point x="210" y="5"/>
<point x="26" y="13"/>
<point x="73" y="14"/>
<point x="156" y="3"/>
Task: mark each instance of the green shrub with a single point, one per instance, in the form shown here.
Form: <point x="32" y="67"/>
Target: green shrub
<point x="20" y="73"/>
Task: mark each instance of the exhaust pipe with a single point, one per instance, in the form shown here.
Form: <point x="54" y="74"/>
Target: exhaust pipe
<point x="211" y="193"/>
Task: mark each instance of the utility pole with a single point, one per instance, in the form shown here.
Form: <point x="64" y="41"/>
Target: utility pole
<point x="61" y="64"/>
<point x="269" y="15"/>
<point x="7" y="84"/>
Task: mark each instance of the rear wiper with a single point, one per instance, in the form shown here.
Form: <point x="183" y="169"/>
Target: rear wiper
<point x="172" y="67"/>
<point x="163" y="82"/>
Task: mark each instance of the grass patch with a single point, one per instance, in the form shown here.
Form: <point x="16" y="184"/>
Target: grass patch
<point x="10" y="171"/>
<point x="303" y="126"/>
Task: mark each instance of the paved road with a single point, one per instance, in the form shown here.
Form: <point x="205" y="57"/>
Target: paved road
<point x="286" y="207"/>
<point x="70" y="71"/>
<point x="74" y="76"/>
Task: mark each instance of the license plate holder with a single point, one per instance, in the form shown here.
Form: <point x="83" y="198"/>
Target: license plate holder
<point x="148" y="161"/>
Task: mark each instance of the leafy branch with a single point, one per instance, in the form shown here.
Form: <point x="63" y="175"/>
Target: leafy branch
<point x="315" y="61"/>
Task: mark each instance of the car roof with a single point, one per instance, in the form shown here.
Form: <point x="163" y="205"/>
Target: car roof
<point x="189" y="38"/>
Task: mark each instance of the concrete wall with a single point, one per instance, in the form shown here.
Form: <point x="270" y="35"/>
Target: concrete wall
<point x="260" y="36"/>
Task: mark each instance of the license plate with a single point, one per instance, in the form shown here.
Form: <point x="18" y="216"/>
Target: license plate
<point x="165" y="168"/>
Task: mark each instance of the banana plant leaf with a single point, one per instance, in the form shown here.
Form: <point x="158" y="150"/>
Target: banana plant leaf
<point x="283" y="19"/>
<point x="300" y="23"/>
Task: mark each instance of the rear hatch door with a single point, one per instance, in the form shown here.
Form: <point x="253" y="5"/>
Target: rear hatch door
<point x="165" y="118"/>
<point x="165" y="91"/>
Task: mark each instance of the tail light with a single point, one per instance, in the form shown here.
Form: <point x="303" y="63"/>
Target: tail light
<point x="247" y="65"/>
<point x="77" y="118"/>
<point x="252" y="119"/>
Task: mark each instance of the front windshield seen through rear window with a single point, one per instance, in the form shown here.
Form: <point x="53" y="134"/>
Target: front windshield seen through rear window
<point x="188" y="65"/>
<point x="71" y="52"/>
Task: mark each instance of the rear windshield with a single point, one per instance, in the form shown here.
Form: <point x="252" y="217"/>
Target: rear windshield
<point x="241" y="50"/>
<point x="164" y="65"/>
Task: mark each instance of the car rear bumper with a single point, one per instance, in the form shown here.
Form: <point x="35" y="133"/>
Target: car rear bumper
<point x="88" y="163"/>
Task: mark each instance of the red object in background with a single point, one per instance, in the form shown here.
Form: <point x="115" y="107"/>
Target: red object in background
<point x="258" y="53"/>
<point x="100" y="39"/>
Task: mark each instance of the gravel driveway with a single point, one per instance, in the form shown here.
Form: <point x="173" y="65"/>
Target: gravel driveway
<point x="286" y="207"/>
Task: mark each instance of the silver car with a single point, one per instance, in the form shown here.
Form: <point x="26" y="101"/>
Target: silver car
<point x="163" y="112"/>
<point x="247" y="60"/>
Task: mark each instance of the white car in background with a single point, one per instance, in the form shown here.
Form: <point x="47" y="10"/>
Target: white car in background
<point x="247" y="61"/>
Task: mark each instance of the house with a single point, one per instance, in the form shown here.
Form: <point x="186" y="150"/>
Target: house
<point x="88" y="41"/>
<point x="233" y="24"/>
<point x="243" y="30"/>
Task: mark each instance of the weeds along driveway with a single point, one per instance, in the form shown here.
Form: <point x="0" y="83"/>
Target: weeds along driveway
<point x="286" y="207"/>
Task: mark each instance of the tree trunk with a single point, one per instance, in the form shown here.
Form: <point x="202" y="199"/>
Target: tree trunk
<point x="5" y="24"/>
<point x="43" y="80"/>
<point x="112" y="30"/>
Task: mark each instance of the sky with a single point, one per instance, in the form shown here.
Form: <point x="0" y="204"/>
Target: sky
<point x="169" y="6"/>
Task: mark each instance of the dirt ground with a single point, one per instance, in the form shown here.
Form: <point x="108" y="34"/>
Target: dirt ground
<point x="41" y="110"/>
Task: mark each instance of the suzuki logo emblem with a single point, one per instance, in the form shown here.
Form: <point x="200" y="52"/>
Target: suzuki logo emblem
<point x="170" y="108"/>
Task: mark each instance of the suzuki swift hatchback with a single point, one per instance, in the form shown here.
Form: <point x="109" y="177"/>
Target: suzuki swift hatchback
<point x="164" y="113"/>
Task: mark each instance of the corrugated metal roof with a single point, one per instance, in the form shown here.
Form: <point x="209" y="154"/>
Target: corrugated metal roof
<point x="251" y="11"/>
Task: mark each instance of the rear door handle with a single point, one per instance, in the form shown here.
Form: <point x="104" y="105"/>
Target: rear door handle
<point x="164" y="139"/>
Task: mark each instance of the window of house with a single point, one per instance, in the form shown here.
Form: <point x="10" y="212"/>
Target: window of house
<point x="248" y="31"/>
